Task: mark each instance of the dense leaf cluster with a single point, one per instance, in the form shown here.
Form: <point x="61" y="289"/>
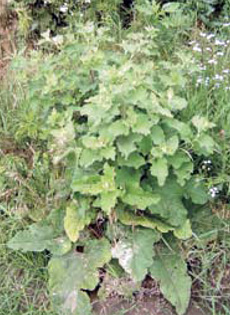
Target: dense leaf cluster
<point x="108" y="111"/>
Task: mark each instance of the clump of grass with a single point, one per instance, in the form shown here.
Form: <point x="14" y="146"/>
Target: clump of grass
<point x="23" y="280"/>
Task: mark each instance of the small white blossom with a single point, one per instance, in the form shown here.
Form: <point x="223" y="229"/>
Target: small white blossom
<point x="220" y="53"/>
<point x="213" y="191"/>
<point x="226" y="24"/>
<point x="218" y="77"/>
<point x="210" y="36"/>
<point x="63" y="8"/>
<point x="219" y="42"/>
<point x="212" y="61"/>
<point x="197" y="48"/>
<point x="203" y="34"/>
<point x="209" y="49"/>
<point x="226" y="71"/>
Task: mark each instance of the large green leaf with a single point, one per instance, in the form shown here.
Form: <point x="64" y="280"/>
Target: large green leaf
<point x="75" y="271"/>
<point x="171" y="271"/>
<point x="39" y="237"/>
<point x="170" y="207"/>
<point x="135" y="251"/>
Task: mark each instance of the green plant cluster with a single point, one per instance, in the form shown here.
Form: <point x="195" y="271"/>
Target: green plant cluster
<point x="105" y="114"/>
<point x="37" y="16"/>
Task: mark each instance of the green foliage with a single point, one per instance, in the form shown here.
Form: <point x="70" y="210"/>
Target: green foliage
<point x="106" y="109"/>
<point x="73" y="272"/>
<point x="135" y="252"/>
<point x="170" y="270"/>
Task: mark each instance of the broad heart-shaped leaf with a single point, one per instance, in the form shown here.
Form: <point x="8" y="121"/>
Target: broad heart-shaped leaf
<point x="39" y="237"/>
<point x="135" y="251"/>
<point x="171" y="271"/>
<point x="75" y="271"/>
<point x="76" y="219"/>
<point x="159" y="169"/>
<point x="170" y="207"/>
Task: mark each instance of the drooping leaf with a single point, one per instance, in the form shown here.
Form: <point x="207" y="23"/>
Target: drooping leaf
<point x="135" y="251"/>
<point x="171" y="271"/>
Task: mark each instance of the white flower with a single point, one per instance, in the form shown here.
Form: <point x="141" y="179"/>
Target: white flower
<point x="197" y="48"/>
<point x="226" y="71"/>
<point x="220" y="53"/>
<point x="226" y="24"/>
<point x="212" y="61"/>
<point x="218" y="77"/>
<point x="219" y="42"/>
<point x="213" y="191"/>
<point x="203" y="34"/>
<point x="209" y="49"/>
<point x="63" y="8"/>
<point x="210" y="36"/>
<point x="227" y="88"/>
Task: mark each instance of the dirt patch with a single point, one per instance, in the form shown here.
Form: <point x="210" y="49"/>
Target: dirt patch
<point x="151" y="306"/>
